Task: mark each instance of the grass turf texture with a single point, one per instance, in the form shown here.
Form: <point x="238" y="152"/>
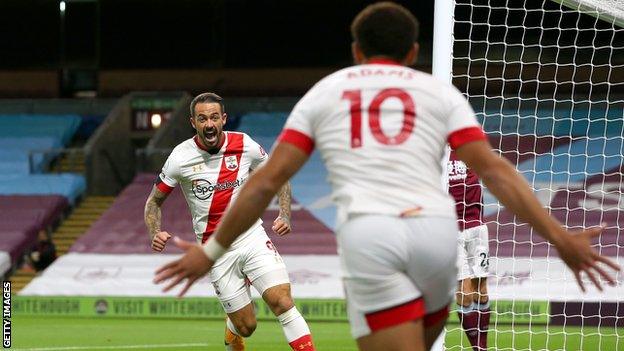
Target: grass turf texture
<point x="60" y="334"/>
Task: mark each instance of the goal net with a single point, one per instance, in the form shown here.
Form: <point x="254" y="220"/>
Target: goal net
<point x="546" y="79"/>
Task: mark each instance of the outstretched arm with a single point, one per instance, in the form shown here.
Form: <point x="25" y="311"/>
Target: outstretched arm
<point x="152" y="216"/>
<point x="514" y="192"/>
<point x="281" y="225"/>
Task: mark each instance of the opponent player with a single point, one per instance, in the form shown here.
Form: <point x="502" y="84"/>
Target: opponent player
<point x="211" y="167"/>
<point x="472" y="252"/>
<point x="381" y="129"/>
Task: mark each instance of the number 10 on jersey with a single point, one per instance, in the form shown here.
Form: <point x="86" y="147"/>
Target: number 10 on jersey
<point x="409" y="115"/>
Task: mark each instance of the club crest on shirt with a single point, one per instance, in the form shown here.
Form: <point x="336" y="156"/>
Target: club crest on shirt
<point x="230" y="163"/>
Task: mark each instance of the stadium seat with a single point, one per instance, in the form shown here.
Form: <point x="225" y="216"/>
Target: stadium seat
<point x="17" y="241"/>
<point x="71" y="186"/>
<point x="27" y="154"/>
<point x="28" y="142"/>
<point x="27" y="145"/>
<point x="14" y="163"/>
<point x="29" y="200"/>
<point x="52" y="206"/>
<point x="22" y="217"/>
<point x="61" y="127"/>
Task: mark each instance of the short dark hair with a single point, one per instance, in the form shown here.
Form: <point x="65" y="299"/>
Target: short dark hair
<point x="385" y="29"/>
<point x="207" y="98"/>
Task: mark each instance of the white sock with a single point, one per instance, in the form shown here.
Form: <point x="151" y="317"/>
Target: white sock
<point x="438" y="345"/>
<point x="293" y="324"/>
<point x="231" y="326"/>
<point x="478" y="306"/>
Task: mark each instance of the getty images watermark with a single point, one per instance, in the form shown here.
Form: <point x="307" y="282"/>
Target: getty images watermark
<point x="6" y="314"/>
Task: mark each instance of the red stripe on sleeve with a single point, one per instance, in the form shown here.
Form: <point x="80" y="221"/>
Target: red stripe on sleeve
<point x="298" y="139"/>
<point x="390" y="317"/>
<point x="464" y="136"/>
<point x="222" y="198"/>
<point x="164" y="187"/>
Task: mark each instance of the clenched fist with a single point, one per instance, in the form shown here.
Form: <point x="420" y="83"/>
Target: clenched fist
<point x="160" y="240"/>
<point x="281" y="226"/>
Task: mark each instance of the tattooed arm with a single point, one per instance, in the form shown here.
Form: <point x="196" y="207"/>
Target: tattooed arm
<point x="281" y="225"/>
<point x="152" y="217"/>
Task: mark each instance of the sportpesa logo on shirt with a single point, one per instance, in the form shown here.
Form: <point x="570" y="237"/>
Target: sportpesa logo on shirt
<point x="203" y="189"/>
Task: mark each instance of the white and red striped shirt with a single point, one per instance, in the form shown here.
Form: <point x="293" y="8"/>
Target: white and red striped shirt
<point x="381" y="129"/>
<point x="210" y="182"/>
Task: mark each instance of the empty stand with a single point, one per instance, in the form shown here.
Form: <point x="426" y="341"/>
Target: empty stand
<point x="82" y="217"/>
<point x="22" y="217"/>
<point x="71" y="186"/>
<point x="28" y="143"/>
<point x="30" y="199"/>
<point x="61" y="127"/>
<point x="46" y="209"/>
<point x="16" y="241"/>
<point x="27" y="154"/>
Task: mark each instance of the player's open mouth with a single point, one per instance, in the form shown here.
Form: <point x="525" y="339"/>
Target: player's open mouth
<point x="210" y="136"/>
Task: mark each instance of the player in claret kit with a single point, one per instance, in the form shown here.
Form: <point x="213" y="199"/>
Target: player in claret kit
<point x="472" y="253"/>
<point x="211" y="167"/>
<point x="381" y="128"/>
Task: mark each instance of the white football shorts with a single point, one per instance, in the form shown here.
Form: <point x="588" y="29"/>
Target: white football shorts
<point x="397" y="270"/>
<point x="473" y="253"/>
<point x="256" y="262"/>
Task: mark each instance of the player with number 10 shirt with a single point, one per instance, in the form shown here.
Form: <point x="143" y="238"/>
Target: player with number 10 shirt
<point x="392" y="212"/>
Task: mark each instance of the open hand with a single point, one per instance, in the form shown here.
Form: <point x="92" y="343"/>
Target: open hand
<point x="192" y="266"/>
<point x="576" y="251"/>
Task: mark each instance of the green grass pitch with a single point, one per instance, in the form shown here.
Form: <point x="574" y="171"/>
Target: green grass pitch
<point x="65" y="334"/>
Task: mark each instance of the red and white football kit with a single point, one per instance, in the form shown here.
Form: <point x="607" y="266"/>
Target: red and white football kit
<point x="210" y="182"/>
<point x="472" y="244"/>
<point x="381" y="129"/>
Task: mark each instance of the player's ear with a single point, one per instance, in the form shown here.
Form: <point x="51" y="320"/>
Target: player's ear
<point x="356" y="52"/>
<point x="192" y="120"/>
<point x="412" y="55"/>
<point x="224" y="118"/>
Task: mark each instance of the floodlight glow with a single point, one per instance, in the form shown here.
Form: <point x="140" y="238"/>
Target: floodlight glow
<point x="156" y="120"/>
<point x="62" y="6"/>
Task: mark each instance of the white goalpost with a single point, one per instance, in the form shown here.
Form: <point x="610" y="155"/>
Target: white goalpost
<point x="546" y="79"/>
